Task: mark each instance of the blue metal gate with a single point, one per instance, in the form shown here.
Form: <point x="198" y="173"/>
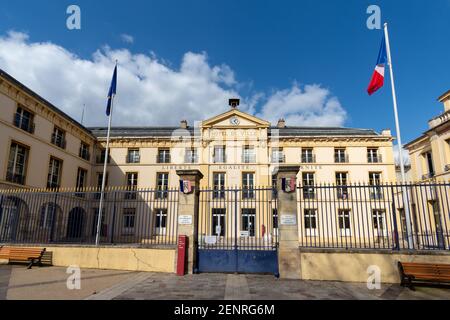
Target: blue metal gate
<point x="238" y="231"/>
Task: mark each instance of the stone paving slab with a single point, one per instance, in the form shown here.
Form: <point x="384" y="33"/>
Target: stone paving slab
<point x="51" y="283"/>
<point x="16" y="282"/>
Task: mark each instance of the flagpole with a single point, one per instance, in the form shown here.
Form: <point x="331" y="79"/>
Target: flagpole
<point x="400" y="145"/>
<point x="105" y="164"/>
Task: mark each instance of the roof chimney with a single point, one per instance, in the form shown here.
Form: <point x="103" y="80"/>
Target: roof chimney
<point x="183" y="124"/>
<point x="234" y="103"/>
<point x="281" y="123"/>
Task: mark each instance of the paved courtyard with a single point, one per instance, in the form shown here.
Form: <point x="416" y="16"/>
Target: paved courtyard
<point x="16" y="282"/>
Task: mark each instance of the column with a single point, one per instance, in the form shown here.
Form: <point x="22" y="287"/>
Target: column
<point x="288" y="253"/>
<point x="188" y="208"/>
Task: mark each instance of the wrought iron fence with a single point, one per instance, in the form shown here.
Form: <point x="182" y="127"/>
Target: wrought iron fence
<point x="130" y="217"/>
<point x="375" y="216"/>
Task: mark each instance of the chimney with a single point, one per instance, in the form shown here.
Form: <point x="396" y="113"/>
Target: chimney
<point x="183" y="124"/>
<point x="281" y="123"/>
<point x="234" y="103"/>
<point x="386" y="132"/>
<point x="445" y="99"/>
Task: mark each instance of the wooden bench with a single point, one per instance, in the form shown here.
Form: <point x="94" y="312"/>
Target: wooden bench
<point x="4" y="253"/>
<point x="423" y="273"/>
<point x="30" y="256"/>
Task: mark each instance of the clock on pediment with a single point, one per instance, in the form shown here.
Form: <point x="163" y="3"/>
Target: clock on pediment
<point x="234" y="121"/>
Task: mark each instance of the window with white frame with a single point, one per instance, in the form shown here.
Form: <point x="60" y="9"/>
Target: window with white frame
<point x="376" y="192"/>
<point x="162" y="183"/>
<point x="54" y="173"/>
<point x="163" y="155"/>
<point x="248" y="185"/>
<point x="219" y="154"/>
<point x="373" y="155"/>
<point x="17" y="163"/>
<point x="341" y="183"/>
<point x="310" y="216"/>
<point x="218" y="227"/>
<point x="219" y="185"/>
<point x="340" y="155"/>
<point x="248" y="154"/>
<point x="308" y="155"/>
<point x="344" y="222"/>
<point x="129" y="220"/>
<point x="379" y="222"/>
<point x="133" y="156"/>
<point x="132" y="183"/>
<point x="308" y="185"/>
<point x="190" y="155"/>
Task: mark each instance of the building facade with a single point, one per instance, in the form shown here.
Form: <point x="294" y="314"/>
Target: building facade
<point x="430" y="153"/>
<point x="45" y="148"/>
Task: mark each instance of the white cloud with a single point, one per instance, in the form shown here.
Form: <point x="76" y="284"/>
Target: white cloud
<point x="127" y="38"/>
<point x="405" y="155"/>
<point x="150" y="91"/>
<point x="312" y="106"/>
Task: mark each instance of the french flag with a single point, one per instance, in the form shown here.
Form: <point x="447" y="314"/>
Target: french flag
<point x="378" y="76"/>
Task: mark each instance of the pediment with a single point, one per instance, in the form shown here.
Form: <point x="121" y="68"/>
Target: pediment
<point x="235" y="118"/>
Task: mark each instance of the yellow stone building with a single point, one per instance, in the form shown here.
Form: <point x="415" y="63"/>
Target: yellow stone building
<point x="430" y="153"/>
<point x="45" y="148"/>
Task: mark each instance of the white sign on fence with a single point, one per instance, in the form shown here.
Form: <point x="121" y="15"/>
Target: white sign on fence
<point x="185" y="220"/>
<point x="244" y="234"/>
<point x="288" y="219"/>
<point x="210" y="239"/>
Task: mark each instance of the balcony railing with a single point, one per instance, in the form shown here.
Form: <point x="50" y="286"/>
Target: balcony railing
<point x="163" y="158"/>
<point x="341" y="158"/>
<point x="23" y="123"/>
<point x="278" y="158"/>
<point x="374" y="158"/>
<point x="59" y="141"/>
<point x="15" y="178"/>
<point x="52" y="185"/>
<point x="308" y="158"/>
<point x="190" y="159"/>
<point x="219" y="159"/>
<point x="248" y="158"/>
<point x="133" y="158"/>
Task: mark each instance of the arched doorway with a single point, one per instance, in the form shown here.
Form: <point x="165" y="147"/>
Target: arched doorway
<point x="75" y="224"/>
<point x="50" y="221"/>
<point x="11" y="211"/>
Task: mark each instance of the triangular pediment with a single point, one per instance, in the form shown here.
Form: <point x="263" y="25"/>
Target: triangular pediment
<point x="236" y="119"/>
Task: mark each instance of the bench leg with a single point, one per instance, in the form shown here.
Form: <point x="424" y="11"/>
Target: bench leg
<point x="30" y="265"/>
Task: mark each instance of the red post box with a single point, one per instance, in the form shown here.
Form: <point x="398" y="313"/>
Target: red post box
<point x="182" y="253"/>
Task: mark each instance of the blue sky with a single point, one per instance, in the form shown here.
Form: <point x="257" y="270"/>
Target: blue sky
<point x="262" y="49"/>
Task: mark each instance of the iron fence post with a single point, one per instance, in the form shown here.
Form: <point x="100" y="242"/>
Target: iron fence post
<point x="54" y="217"/>
<point x="114" y="216"/>
<point x="394" y="218"/>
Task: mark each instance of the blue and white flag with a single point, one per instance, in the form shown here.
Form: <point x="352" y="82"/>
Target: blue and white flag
<point x="112" y="92"/>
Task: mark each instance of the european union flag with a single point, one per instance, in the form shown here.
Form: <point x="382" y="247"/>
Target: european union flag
<point x="112" y="92"/>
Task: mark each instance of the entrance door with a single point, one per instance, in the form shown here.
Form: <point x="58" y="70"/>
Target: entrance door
<point x="75" y="224"/>
<point x="236" y="234"/>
